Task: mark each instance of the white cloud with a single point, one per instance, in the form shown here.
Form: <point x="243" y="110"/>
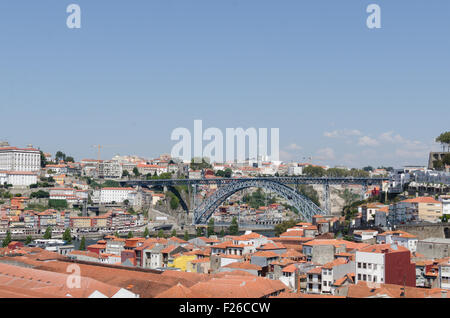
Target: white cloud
<point x="342" y="133"/>
<point x="368" y="141"/>
<point x="294" y="146"/>
<point x="389" y="137"/>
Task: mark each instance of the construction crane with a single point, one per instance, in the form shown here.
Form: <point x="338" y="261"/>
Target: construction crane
<point x="99" y="147"/>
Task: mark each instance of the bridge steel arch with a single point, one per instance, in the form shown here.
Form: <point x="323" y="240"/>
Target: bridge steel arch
<point x="304" y="205"/>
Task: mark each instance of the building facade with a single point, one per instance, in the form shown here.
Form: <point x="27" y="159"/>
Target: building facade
<point x="20" y="159"/>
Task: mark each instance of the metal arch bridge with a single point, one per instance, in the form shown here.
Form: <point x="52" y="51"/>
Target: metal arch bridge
<point x="226" y="186"/>
<point x="282" y="180"/>
<point x="304" y="205"/>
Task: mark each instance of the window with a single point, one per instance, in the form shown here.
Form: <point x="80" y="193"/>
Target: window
<point x="359" y="265"/>
<point x="364" y="265"/>
<point x="369" y="278"/>
<point x="359" y="276"/>
<point x="369" y="266"/>
<point x="374" y="279"/>
<point x="374" y="266"/>
<point x="364" y="277"/>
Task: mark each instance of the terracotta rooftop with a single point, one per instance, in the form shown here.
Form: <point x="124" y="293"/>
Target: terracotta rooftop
<point x="384" y="248"/>
<point x="243" y="265"/>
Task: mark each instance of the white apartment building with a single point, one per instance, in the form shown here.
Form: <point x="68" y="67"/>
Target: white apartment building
<point x="252" y="239"/>
<point x="118" y="195"/>
<point x="17" y="159"/>
<point x="18" y="178"/>
<point x="364" y="235"/>
<point x="295" y="170"/>
<point x="333" y="271"/>
<point x="369" y="267"/>
<point x="115" y="246"/>
<point x="109" y="169"/>
<point x="288" y="277"/>
<point x="69" y="194"/>
<point x="153" y="257"/>
<point x="400" y="238"/>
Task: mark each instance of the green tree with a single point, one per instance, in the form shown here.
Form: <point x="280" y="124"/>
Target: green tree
<point x="39" y="194"/>
<point x="282" y="227"/>
<point x="43" y="160"/>
<point x="48" y="233"/>
<point x="337" y="172"/>
<point x="146" y="232"/>
<point x="136" y="172"/>
<point x="444" y="140"/>
<point x="256" y="199"/>
<point x="28" y="240"/>
<point x="110" y="184"/>
<point x="174" y="233"/>
<point x="165" y="176"/>
<point x="199" y="232"/>
<point x="197" y="164"/>
<point x="83" y="244"/>
<point x="234" y="227"/>
<point x="130" y="234"/>
<point x="161" y="233"/>
<point x="348" y="196"/>
<point x="309" y="192"/>
<point x="210" y="229"/>
<point x="125" y="174"/>
<point x="174" y="202"/>
<point x="312" y="171"/>
<point x="222" y="233"/>
<point x="116" y="234"/>
<point x="60" y="156"/>
<point x="69" y="159"/>
<point x="186" y="236"/>
<point x="228" y="173"/>
<point x="220" y="173"/>
<point x="7" y="239"/>
<point x="438" y="165"/>
<point x="446" y="159"/>
<point x="67" y="236"/>
<point x="57" y="204"/>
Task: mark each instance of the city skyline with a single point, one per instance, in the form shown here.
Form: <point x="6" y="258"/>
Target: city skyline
<point x="339" y="92"/>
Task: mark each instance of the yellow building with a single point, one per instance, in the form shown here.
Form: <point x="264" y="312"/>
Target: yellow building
<point x="182" y="261"/>
<point x="80" y="222"/>
<point x="100" y="221"/>
<point x="60" y="179"/>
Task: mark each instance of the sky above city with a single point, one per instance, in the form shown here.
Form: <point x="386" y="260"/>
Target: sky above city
<point x="339" y="92"/>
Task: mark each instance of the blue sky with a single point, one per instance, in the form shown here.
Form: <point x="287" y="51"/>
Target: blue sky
<point x="339" y="92"/>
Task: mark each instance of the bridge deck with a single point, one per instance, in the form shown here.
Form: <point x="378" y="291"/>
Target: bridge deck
<point x="283" y="180"/>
